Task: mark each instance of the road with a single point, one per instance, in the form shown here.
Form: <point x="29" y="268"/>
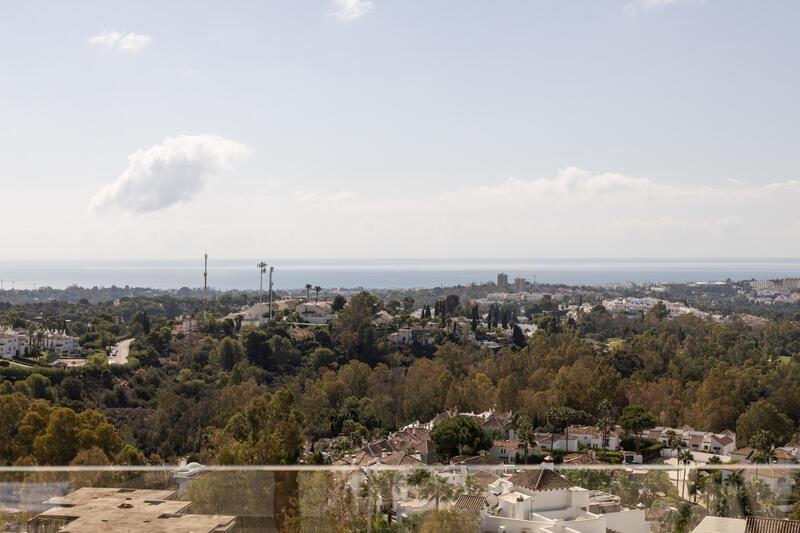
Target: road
<point x="122" y="350"/>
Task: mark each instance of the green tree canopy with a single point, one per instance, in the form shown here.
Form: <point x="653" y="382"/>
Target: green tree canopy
<point x="459" y="435"/>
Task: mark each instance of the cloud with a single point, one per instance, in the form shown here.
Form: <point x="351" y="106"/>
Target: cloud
<point x="118" y="42"/>
<point x="351" y="9"/>
<point x="635" y="6"/>
<point x="169" y="173"/>
<point x="343" y="195"/>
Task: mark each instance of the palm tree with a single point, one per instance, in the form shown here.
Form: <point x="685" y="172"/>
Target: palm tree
<point x="308" y="292"/>
<point x="317" y="289"/>
<point x="527" y="436"/>
<point x="418" y="477"/>
<point x="514" y="422"/>
<point x="379" y="485"/>
<point x="606" y="422"/>
<point x="437" y="489"/>
<point x="685" y="457"/>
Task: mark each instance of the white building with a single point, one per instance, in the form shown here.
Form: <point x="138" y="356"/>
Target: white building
<point x="592" y="437"/>
<point x="9" y="344"/>
<point x="723" y="443"/>
<point x="541" y="501"/>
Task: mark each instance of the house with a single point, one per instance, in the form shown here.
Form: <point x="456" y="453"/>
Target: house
<point x="507" y="450"/>
<point x="557" y="441"/>
<point x="793" y="448"/>
<point x="59" y="342"/>
<point x="743" y="455"/>
<point x="783" y="457"/>
<point x="409" y="336"/>
<point x="592" y="437"/>
<point x="316" y="312"/>
<point x="541" y="501"/>
<point x="9" y="344"/>
<point x="752" y="524"/>
<point x="382" y="319"/>
<point x="722" y="443"/>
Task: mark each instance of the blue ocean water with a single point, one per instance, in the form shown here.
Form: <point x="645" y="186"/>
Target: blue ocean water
<point x="385" y="273"/>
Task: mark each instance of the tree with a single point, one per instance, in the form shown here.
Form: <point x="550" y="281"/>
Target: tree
<point x="227" y="353"/>
<point x="408" y="304"/>
<point x="437" y="489"/>
<point x="606" y="421"/>
<point x="684" y="457"/>
<point x="674" y="442"/>
<point x="475" y="318"/>
<point x="256" y="347"/>
<point x="130" y="456"/>
<point x="763" y="442"/>
<point x="317" y="288"/>
<point x="308" y="292"/>
<point x="635" y="419"/>
<point x="354" y="326"/>
<point x="271" y="433"/>
<point x="763" y="415"/>
<point x="418" y="477"/>
<point x="322" y="357"/>
<point x="338" y="304"/>
<point x="527" y="436"/>
<point x="459" y="435"/>
<point x="517" y="337"/>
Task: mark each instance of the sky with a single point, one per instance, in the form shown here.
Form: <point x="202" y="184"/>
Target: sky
<point x="392" y="129"/>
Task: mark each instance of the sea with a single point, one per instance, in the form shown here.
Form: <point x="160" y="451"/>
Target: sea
<point x="383" y="273"/>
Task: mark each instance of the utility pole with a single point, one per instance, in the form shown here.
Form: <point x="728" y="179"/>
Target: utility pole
<point x="205" y="288"/>
<point x="262" y="268"/>
<point x="271" y="270"/>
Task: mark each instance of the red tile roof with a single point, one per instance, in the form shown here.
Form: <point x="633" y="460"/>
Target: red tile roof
<point x="540" y="480"/>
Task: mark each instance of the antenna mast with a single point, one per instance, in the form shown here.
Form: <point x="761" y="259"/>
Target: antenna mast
<point x="271" y="270"/>
<point x="262" y="268"/>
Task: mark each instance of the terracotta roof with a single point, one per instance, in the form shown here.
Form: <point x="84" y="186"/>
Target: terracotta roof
<point x="580" y="459"/>
<point x="723" y="440"/>
<point x="783" y="454"/>
<point x="511" y="444"/>
<point x="484" y="478"/>
<point x="775" y="473"/>
<point x="745" y="452"/>
<point x="470" y="502"/>
<point x="475" y="460"/>
<point x="539" y="480"/>
<point x="492" y="423"/>
<point x="378" y="447"/>
<point x="696" y="439"/>
<point x="425" y="446"/>
<point x="400" y="458"/>
<point x="771" y="525"/>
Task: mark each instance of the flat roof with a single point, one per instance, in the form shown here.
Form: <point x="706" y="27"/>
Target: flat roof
<point x="90" y="510"/>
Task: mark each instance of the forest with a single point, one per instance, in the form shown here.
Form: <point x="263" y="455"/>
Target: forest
<point x="257" y="395"/>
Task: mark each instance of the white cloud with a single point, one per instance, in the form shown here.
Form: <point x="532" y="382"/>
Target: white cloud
<point x="343" y="195"/>
<point x="351" y="9"/>
<point x="169" y="173"/>
<point x="635" y="6"/>
<point x="118" y="42"/>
